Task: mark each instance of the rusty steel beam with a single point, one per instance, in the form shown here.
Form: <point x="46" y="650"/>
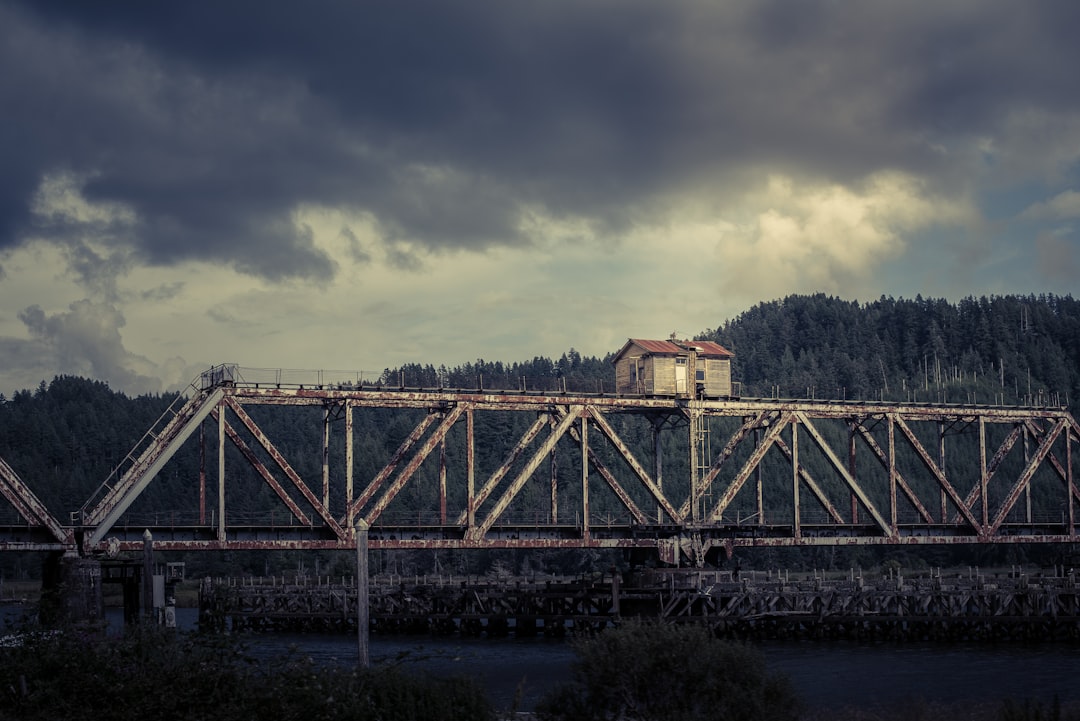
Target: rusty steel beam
<point x="492" y="483"/>
<point x="1014" y="493"/>
<point x="751" y="423"/>
<point x="148" y="464"/>
<point x="263" y="471"/>
<point x="991" y="468"/>
<point x="287" y="469"/>
<point x="422" y="453"/>
<point x="562" y="544"/>
<point x="609" y="478"/>
<point x="476" y="533"/>
<point x="751" y="463"/>
<point x="811" y="483"/>
<point x="32" y="510"/>
<point x="406" y="445"/>
<point x="628" y="456"/>
<point x="939" y="476"/>
<point x="842" y="472"/>
<point x="656" y="515"/>
<point x="883" y="458"/>
<point x="1061" y="470"/>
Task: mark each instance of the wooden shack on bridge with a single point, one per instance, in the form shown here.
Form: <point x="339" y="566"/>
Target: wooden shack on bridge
<point x="680" y="368"/>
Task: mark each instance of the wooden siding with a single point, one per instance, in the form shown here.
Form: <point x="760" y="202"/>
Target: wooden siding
<point x="717" y="376"/>
<point x="656" y="376"/>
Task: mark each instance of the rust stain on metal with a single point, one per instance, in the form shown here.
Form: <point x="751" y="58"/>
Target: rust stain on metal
<point x="638" y="511"/>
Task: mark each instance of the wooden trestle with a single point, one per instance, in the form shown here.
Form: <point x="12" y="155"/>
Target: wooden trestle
<point x="972" y="606"/>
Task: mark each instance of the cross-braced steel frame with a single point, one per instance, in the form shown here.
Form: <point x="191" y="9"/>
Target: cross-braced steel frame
<point x="685" y="477"/>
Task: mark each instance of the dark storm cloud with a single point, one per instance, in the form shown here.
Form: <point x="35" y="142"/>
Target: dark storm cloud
<point x="213" y="123"/>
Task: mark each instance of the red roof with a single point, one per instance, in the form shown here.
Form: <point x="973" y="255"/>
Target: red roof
<point x="704" y="348"/>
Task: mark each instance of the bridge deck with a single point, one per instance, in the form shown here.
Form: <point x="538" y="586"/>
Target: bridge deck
<point x="481" y="468"/>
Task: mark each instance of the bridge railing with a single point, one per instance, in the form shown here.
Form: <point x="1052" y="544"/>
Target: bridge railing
<point x="183" y="396"/>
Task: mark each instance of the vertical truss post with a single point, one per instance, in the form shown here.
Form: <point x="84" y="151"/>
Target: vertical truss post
<point x="892" y="475"/>
<point x="759" y="480"/>
<point x="941" y="467"/>
<point x="658" y="453"/>
<point x="1069" y="481"/>
<point x="1027" y="487"/>
<point x="695" y="464"/>
<point x="350" y="514"/>
<point x="202" y="473"/>
<point x="983" y="479"/>
<point x="585" y="476"/>
<point x="326" y="457"/>
<point x="851" y="471"/>
<point x="442" y="482"/>
<point x="797" y="521"/>
<point x="221" y="476"/>
<point x="554" y="468"/>
<point x="470" y="470"/>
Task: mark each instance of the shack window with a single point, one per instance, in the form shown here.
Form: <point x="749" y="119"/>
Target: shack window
<point x="700" y="374"/>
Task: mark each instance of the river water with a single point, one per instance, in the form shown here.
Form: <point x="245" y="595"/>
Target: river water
<point x="825" y="675"/>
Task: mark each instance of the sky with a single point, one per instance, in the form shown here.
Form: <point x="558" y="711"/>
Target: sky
<point x="356" y="185"/>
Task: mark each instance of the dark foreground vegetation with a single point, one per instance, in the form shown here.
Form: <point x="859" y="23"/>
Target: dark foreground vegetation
<point x="634" y="673"/>
<point x="153" y="674"/>
<point x="662" y="672"/>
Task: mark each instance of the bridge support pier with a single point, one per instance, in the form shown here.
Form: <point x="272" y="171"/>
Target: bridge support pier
<point x="71" y="592"/>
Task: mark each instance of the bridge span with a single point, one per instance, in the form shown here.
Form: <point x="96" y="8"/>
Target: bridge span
<point x="481" y="469"/>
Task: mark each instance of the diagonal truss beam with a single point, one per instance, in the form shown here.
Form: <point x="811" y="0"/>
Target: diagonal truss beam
<point x="493" y="481"/>
<point x="138" y="476"/>
<point x="449" y="419"/>
<point x="391" y="465"/>
<point x="263" y="471"/>
<point x="810" y="483"/>
<point x="1056" y="464"/>
<point x="752" y="462"/>
<point x="843" y="472"/>
<point x="1002" y="452"/>
<point x="632" y="462"/>
<point x="533" y="463"/>
<point x="901" y="482"/>
<point x="27" y="504"/>
<point x="610" y="478"/>
<point x="287" y="469"/>
<point x="748" y="425"/>
<point x="939" y="475"/>
<point x="1036" y="460"/>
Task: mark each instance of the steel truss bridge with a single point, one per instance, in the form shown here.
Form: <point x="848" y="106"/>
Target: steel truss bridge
<point x="688" y="478"/>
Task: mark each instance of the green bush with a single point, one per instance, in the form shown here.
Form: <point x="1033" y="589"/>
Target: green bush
<point x="660" y="672"/>
<point x="151" y="673"/>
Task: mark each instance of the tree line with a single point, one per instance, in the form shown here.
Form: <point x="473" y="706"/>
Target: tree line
<point x="65" y="436"/>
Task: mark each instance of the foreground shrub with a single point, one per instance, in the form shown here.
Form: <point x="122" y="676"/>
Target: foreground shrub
<point x="151" y="673"/>
<point x="659" y="672"/>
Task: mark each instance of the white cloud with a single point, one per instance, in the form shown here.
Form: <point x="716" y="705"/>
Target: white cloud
<point x="792" y="236"/>
<point x="59" y="198"/>
<point x="1062" y="206"/>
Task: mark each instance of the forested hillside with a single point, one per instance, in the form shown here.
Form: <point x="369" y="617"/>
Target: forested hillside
<point x="65" y="436"/>
<point x="1004" y="349"/>
<point x="1007" y="349"/>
